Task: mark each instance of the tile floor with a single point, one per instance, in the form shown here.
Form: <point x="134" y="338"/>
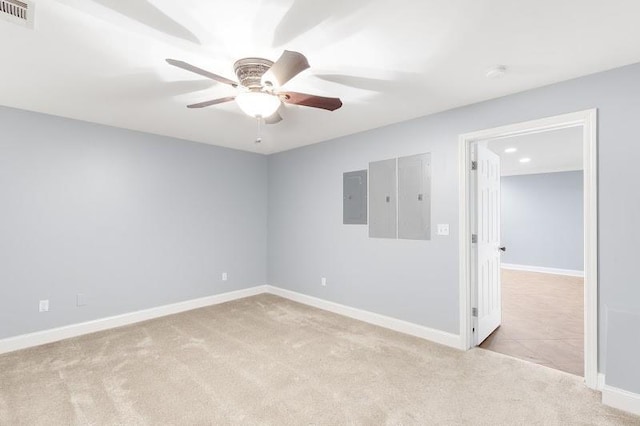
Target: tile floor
<point x="542" y="320"/>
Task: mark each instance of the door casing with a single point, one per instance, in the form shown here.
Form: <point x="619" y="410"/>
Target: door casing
<point x="586" y="119"/>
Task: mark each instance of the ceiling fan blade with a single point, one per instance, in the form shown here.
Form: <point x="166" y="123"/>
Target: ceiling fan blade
<point x="313" y="101"/>
<point x="285" y="68"/>
<point x="192" y="68"/>
<point x="274" y="119"/>
<point x="213" y="102"/>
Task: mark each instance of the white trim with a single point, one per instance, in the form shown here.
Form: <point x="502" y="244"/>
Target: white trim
<point x="395" y="324"/>
<point x="543" y="270"/>
<point x="590" y="159"/>
<point x="600" y="385"/>
<point x="587" y="119"/>
<point x="464" y="257"/>
<point x="621" y="399"/>
<point x="55" y="334"/>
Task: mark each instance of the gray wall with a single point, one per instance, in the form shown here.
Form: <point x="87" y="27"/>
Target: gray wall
<point x="542" y="221"/>
<point x="131" y="220"/>
<point x="622" y="355"/>
<point x="418" y="280"/>
<point x="135" y="220"/>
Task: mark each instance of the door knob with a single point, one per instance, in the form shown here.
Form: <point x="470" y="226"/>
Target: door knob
<point x="503" y="248"/>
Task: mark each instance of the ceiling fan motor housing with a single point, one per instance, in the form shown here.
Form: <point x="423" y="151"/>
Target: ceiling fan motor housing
<point x="250" y="71"/>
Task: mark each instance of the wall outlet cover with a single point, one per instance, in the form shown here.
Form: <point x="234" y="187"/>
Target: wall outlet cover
<point x="43" y="306"/>
<point x="323" y="281"/>
<point x="225" y="277"/>
<point x="443" y="229"/>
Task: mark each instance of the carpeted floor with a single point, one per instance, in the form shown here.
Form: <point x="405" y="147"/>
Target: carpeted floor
<point x="266" y="360"/>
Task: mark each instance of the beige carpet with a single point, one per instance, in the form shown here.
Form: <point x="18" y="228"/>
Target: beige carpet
<point x="266" y="360"/>
<point x="542" y="320"/>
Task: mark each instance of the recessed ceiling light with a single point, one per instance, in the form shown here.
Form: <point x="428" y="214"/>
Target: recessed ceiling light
<point x="496" y="72"/>
<point x="525" y="160"/>
<point x="510" y="150"/>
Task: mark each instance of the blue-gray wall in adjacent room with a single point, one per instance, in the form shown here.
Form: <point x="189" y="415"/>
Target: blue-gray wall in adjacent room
<point x="542" y="220"/>
<point x="418" y="281"/>
<point x="130" y="220"/>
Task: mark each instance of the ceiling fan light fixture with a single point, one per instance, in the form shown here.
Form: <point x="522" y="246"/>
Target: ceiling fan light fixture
<point x="258" y="104"/>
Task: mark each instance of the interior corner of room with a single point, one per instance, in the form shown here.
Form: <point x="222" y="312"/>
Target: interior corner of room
<point x="199" y="220"/>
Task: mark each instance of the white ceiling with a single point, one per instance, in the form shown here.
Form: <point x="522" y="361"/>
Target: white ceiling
<point x="103" y="60"/>
<point x="550" y="151"/>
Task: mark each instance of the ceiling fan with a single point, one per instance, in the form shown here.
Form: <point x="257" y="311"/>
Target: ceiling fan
<point x="260" y="82"/>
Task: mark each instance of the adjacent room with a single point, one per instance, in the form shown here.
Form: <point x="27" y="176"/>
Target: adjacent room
<point x="285" y="212"/>
<point x="542" y="265"/>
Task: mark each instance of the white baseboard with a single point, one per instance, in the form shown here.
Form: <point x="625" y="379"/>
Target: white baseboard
<point x="55" y="334"/>
<point x="543" y="269"/>
<point x="437" y="336"/>
<point x="600" y="384"/>
<point x="621" y="399"/>
<point x="611" y="396"/>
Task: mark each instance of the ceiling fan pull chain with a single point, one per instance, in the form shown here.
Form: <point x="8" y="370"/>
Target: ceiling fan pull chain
<point x="258" y="137"/>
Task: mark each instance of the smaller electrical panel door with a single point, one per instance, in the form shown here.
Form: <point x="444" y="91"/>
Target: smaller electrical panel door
<point x="414" y="197"/>
<point x="382" y="199"/>
<point x="354" y="198"/>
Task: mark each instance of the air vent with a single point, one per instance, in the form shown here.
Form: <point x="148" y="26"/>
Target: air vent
<point x="18" y="12"/>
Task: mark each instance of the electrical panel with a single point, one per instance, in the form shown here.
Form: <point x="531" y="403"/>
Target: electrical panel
<point x="382" y="199"/>
<point x="414" y="197"/>
<point x="400" y="198"/>
<point x="354" y="198"/>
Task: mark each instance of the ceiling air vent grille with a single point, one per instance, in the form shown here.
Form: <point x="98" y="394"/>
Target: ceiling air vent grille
<point x="16" y="11"/>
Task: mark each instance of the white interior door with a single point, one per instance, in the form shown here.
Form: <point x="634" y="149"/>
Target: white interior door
<point x="489" y="307"/>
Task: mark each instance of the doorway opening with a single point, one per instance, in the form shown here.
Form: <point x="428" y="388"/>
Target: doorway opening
<point x="540" y="233"/>
<point x="542" y="292"/>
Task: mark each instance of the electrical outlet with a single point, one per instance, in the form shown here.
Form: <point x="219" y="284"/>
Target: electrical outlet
<point x="44" y="306"/>
<point x="443" y="229"/>
<point x="225" y="277"/>
<point x="323" y="281"/>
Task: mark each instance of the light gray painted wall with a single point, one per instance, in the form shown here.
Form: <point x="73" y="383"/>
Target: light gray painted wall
<point x="542" y="220"/>
<point x="418" y="280"/>
<point x="131" y="220"/>
<point x="621" y="355"/>
<point x="136" y="220"/>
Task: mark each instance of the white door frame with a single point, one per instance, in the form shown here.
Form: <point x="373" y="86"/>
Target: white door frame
<point x="588" y="120"/>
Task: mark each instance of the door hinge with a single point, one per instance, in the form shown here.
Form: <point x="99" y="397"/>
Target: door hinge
<point x="474" y="238"/>
<point x="474" y="312"/>
<point x="474" y="165"/>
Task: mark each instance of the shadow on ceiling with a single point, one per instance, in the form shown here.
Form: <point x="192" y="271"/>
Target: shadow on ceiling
<point x="147" y="14"/>
<point x="305" y="15"/>
<point x="147" y="86"/>
<point x="364" y="83"/>
<point x="400" y="82"/>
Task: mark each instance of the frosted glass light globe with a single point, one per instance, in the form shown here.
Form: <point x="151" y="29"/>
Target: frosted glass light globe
<point x="258" y="104"/>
